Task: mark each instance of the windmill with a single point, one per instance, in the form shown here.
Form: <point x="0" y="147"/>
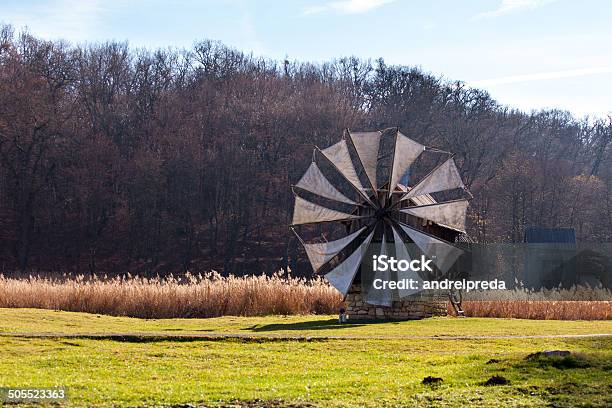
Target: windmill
<point x="356" y="188"/>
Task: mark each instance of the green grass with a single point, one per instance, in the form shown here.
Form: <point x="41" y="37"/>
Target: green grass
<point x="45" y="321"/>
<point x="338" y="372"/>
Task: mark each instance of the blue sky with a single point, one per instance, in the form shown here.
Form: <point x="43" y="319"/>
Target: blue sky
<point x="530" y="54"/>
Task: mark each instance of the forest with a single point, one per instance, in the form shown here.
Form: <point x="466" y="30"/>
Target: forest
<point x="115" y="159"/>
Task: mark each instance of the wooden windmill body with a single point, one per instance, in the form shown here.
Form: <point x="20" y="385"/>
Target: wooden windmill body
<point x="383" y="214"/>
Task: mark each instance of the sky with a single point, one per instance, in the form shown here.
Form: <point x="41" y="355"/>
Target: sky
<point x="528" y="54"/>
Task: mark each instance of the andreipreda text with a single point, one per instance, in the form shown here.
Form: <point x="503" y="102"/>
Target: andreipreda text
<point x="443" y="284"/>
<point x="384" y="263"/>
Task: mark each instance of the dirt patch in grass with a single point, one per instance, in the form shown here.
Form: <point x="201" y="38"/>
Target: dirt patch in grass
<point x="496" y="380"/>
<point x="429" y="380"/>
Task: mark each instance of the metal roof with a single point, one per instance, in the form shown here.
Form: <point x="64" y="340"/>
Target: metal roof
<point x="550" y="235"/>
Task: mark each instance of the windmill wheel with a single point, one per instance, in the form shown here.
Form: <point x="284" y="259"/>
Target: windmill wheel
<point x="373" y="207"/>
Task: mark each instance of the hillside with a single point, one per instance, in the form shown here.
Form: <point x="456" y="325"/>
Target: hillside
<point x="114" y="159"/>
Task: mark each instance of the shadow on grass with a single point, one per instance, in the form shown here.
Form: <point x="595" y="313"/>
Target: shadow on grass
<point x="330" y="324"/>
<point x="188" y="330"/>
<point x="136" y="338"/>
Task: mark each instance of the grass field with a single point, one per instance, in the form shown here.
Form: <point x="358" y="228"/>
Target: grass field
<point x="316" y="361"/>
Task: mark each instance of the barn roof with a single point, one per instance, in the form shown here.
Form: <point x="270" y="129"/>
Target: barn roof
<point x="550" y="235"/>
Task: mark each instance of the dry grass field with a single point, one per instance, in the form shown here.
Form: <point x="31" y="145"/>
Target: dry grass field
<point x="211" y="295"/>
<point x="208" y="295"/>
<point x="540" y="310"/>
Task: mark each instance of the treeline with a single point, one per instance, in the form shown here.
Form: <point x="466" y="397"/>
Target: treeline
<point x="115" y="159"/>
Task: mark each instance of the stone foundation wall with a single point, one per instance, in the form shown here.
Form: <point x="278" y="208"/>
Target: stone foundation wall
<point x="357" y="309"/>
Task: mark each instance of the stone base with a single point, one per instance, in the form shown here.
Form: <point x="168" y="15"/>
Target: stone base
<point x="357" y="309"/>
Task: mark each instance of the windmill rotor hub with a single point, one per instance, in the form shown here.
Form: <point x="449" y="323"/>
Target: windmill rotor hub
<point x="382" y="213"/>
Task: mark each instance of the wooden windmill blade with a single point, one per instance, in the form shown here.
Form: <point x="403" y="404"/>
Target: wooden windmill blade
<point x="340" y="259"/>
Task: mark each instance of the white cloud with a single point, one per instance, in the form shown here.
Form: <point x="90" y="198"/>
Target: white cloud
<point x="512" y="6"/>
<point x="347" y="6"/>
<point x="249" y="31"/>
<point x="541" y="76"/>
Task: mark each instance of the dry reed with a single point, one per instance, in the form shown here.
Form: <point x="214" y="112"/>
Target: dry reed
<point x="575" y="303"/>
<point x="212" y="295"/>
<point x="540" y="309"/>
<point x="207" y="295"/>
